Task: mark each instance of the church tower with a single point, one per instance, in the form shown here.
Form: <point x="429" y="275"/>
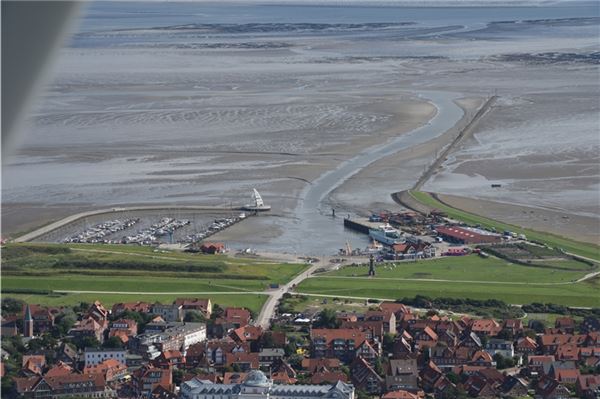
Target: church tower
<point x="27" y="323"/>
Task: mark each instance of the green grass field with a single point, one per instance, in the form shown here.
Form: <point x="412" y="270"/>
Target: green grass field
<point x="131" y="273"/>
<point x="581" y="294"/>
<point x="48" y="259"/>
<point x="465" y="268"/>
<point x="575" y="247"/>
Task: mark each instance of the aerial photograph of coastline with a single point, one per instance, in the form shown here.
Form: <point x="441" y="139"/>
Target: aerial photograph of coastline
<point x="300" y="199"/>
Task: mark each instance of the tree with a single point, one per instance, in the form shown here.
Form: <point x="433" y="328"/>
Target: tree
<point x="452" y="377"/>
<point x="360" y="394"/>
<point x="506" y="334"/>
<point x="113" y="342"/>
<point x="178" y="376"/>
<point x="267" y="341"/>
<point x="49" y="341"/>
<point x="295" y="361"/>
<point x="530" y="334"/>
<point x="346" y="370"/>
<point x="35" y="345"/>
<point x="87" y="342"/>
<point x="217" y="312"/>
<point x="194" y="316"/>
<point x="9" y="387"/>
<point x="82" y="307"/>
<point x="378" y="366"/>
<point x="537" y="325"/>
<point x="62" y="324"/>
<point x="453" y="393"/>
<point x="327" y="319"/>
<point x="11" y="306"/>
<point x="503" y="362"/>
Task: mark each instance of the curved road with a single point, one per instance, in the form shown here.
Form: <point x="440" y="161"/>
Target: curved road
<point x="268" y="310"/>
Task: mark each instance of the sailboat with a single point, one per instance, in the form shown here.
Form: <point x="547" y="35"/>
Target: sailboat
<point x="258" y="203"/>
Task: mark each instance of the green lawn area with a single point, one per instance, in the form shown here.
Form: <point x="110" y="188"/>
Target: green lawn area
<point x="253" y="302"/>
<point x="564" y="264"/>
<point x="581" y="294"/>
<point x="579" y="248"/>
<point x="124" y="259"/>
<point x="548" y="318"/>
<point x="466" y="268"/>
<point x="135" y="273"/>
<point x="303" y="303"/>
<point x="78" y="282"/>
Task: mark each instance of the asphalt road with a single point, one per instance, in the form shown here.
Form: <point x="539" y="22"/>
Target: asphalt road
<point x="268" y="310"/>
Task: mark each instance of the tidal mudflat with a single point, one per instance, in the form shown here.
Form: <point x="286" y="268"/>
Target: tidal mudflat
<point x="201" y="105"/>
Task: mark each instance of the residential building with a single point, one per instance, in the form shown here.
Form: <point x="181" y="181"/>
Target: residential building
<point x="141" y="307"/>
<point x="92" y="356"/>
<point x="147" y="378"/>
<point x="88" y="327"/>
<point x="339" y="343"/>
<point x="169" y="312"/>
<point x="365" y="377"/>
<point x="202" y="305"/>
<point x="72" y="385"/>
<point x="503" y="347"/>
<point x="402" y="374"/>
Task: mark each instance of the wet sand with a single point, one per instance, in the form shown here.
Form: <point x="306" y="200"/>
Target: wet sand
<point x="130" y="122"/>
<point x="579" y="228"/>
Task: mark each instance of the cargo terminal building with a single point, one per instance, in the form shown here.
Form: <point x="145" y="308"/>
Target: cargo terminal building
<point x="467" y="235"/>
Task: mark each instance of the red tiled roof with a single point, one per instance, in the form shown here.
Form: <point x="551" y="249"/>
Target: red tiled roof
<point x="540" y="359"/>
<point x="526" y="342"/>
<point x="561" y="339"/>
<point x="567" y="352"/>
<point x="566" y="375"/>
<point x="64" y="381"/>
<point x="142" y="307"/>
<point x="59" y="369"/>
<point x="26" y="384"/>
<point x="393" y="307"/>
<point x="172" y="354"/>
<point x="247" y="333"/>
<point x="331" y="377"/>
<point x="586" y="382"/>
<point x="313" y="365"/>
<point x="237" y="315"/>
<point x="400" y="395"/>
<point x="464" y="234"/>
<point x="346" y="334"/>
<point x="482" y="356"/>
<point x="196" y="302"/>
<point x="430" y="333"/>
<point x="240" y="357"/>
<point x="485" y="325"/>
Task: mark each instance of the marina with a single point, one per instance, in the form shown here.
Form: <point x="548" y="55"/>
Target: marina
<point x="149" y="227"/>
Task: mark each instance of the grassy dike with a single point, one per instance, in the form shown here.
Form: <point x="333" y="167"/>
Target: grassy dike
<point x="575" y="247"/>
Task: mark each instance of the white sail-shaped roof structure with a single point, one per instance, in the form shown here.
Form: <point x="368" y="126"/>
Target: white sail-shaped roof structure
<point x="258" y="203"/>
